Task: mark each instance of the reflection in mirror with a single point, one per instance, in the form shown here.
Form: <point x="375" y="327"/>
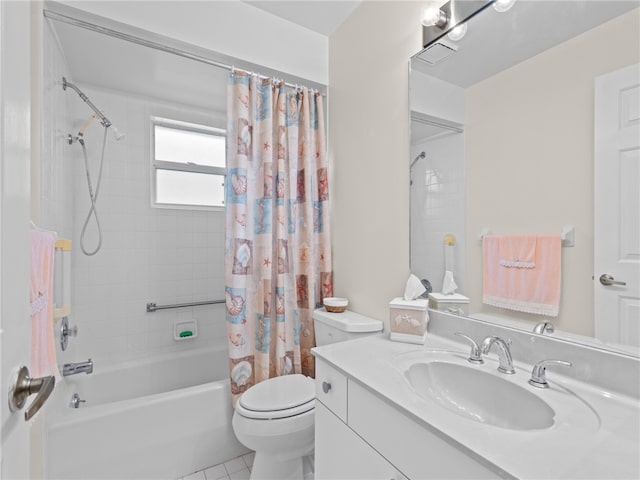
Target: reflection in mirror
<point x="512" y="124"/>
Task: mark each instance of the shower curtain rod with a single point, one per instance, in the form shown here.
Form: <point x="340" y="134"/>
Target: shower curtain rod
<point x="71" y="20"/>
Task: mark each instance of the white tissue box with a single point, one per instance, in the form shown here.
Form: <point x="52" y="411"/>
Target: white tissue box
<point x="453" y="303"/>
<point x="408" y="319"/>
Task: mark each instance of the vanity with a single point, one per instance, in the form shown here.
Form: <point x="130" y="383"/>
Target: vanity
<point x="394" y="410"/>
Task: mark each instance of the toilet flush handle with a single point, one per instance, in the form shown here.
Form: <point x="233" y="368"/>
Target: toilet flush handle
<point x="326" y="386"/>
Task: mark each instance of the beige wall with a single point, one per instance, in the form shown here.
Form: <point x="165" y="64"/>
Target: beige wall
<point x="369" y="150"/>
<point x="369" y="146"/>
<point x="530" y="163"/>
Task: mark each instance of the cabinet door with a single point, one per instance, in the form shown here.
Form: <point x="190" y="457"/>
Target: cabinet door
<point x="340" y="454"/>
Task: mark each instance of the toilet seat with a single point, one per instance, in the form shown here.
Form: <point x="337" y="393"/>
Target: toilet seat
<point x="278" y="397"/>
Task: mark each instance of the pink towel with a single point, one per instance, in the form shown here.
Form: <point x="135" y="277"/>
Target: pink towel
<point x="533" y="289"/>
<point x="43" y="348"/>
<point x="518" y="250"/>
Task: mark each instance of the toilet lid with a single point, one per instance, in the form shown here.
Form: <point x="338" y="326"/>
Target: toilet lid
<point x="279" y="393"/>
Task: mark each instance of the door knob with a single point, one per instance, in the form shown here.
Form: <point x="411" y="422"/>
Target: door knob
<point x="607" y="280"/>
<point x="24" y="386"/>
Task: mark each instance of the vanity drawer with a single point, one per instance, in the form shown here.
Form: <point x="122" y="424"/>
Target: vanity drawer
<point x="331" y="389"/>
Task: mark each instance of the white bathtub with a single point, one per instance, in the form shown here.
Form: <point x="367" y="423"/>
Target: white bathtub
<point x="159" y="418"/>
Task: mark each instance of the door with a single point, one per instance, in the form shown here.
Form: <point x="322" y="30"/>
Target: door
<point x="617" y="206"/>
<point x="14" y="228"/>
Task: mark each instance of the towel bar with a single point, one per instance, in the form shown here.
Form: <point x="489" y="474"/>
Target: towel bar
<point x="568" y="235"/>
<point x="152" y="307"/>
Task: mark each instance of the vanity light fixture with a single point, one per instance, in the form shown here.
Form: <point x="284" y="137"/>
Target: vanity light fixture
<point x="458" y="32"/>
<point x="503" y="5"/>
<point x="438" y="21"/>
<point x="434" y="16"/>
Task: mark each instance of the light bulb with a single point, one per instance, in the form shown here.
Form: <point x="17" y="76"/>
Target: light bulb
<point x="433" y="16"/>
<point x="503" y="5"/>
<point x="458" y="32"/>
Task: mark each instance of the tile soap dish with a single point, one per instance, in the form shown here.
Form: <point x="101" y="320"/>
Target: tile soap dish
<point x="335" y="304"/>
<point x="187" y="330"/>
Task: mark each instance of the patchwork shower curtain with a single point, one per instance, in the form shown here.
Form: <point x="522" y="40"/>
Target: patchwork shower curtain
<point x="278" y="254"/>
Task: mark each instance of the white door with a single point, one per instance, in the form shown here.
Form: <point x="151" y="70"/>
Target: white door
<point x="14" y="227"/>
<point x="617" y="206"/>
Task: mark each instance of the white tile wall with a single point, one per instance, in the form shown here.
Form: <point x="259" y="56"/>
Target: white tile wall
<point x="438" y="209"/>
<point x="56" y="211"/>
<point x="147" y="254"/>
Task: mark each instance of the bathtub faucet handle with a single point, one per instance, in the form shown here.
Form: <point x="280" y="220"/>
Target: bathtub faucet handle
<point x="66" y="332"/>
<point x="76" y="401"/>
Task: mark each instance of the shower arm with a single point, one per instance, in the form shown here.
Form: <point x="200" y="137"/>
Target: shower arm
<point x="103" y="120"/>
<point x="418" y="157"/>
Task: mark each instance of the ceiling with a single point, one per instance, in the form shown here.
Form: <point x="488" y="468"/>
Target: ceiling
<point x="495" y="41"/>
<point x="108" y="62"/>
<point x="322" y="16"/>
<point x="116" y="64"/>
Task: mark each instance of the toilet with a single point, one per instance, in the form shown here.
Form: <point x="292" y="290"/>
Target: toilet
<point x="275" y="418"/>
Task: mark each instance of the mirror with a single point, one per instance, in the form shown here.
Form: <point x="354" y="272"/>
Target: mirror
<point x="505" y="118"/>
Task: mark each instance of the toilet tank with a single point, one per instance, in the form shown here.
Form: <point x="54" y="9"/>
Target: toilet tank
<point x="340" y="327"/>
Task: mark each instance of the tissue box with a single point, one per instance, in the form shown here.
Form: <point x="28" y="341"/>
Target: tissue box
<point x="408" y="320"/>
<point x="453" y="303"/>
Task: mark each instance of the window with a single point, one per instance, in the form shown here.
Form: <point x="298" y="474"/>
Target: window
<point x="188" y="164"/>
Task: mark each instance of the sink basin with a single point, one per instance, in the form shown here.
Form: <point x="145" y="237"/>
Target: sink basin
<point x="479" y="395"/>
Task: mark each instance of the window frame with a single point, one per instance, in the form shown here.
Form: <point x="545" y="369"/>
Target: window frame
<point x="182" y="167"/>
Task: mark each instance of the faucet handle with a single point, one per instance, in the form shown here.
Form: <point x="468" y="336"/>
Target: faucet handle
<point x="538" y="374"/>
<point x="475" y="356"/>
<point x="543" y="327"/>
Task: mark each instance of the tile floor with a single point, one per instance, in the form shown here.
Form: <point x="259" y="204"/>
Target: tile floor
<point x="235" y="469"/>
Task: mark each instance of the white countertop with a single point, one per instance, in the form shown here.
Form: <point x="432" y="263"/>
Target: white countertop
<point x="596" y="435"/>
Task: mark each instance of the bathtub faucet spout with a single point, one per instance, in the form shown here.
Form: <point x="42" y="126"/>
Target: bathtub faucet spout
<point x="79" y="367"/>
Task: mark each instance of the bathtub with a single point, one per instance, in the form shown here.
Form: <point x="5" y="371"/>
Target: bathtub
<point x="159" y="418"/>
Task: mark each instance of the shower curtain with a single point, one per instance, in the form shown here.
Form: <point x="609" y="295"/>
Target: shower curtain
<point x="277" y="243"/>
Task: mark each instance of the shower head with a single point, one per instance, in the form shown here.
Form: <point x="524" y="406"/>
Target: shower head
<point x="117" y="134"/>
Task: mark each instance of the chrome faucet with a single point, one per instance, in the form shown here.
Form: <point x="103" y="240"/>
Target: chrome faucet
<point x="504" y="353"/>
<point x="538" y="374"/>
<point x="79" y="367"/>
<point x="543" y="327"/>
<point x="474" y="356"/>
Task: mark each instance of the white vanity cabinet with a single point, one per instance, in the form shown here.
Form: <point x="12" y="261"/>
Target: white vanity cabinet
<point x="340" y="453"/>
<point x="360" y="436"/>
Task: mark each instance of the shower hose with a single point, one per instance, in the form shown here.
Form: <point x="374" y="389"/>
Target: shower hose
<point x="93" y="196"/>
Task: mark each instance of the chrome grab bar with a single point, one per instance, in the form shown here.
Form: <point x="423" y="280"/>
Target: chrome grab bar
<point x="152" y="307"/>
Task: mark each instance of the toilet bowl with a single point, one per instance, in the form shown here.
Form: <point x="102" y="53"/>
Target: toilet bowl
<point x="275" y="418"/>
